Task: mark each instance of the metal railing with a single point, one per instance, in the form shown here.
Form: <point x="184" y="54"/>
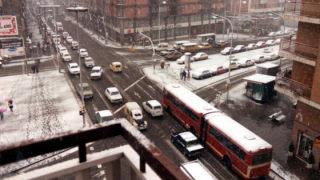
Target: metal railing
<point x="299" y="49"/>
<point x="284" y="81"/>
<point x="309" y="9"/>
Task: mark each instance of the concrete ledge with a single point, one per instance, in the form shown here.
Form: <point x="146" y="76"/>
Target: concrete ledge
<point x="296" y="58"/>
<point x="295" y="17"/>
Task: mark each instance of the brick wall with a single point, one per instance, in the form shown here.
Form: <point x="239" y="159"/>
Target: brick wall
<point x="308" y="34"/>
<point x="302" y="73"/>
<point x="315" y="94"/>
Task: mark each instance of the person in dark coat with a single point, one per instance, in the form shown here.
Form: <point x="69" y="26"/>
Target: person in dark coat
<point x="184" y="75"/>
<point x="33" y="67"/>
<point x="10" y="105"/>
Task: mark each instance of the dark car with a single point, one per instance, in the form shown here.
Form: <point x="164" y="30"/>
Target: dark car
<point x="187" y="143"/>
<point x="173" y="55"/>
<point x="87" y="91"/>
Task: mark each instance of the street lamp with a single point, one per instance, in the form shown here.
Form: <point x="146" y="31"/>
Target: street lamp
<point x="77" y="10"/>
<point x="228" y="81"/>
<point x="163" y="2"/>
<point x="284" y="30"/>
<point x="154" y="61"/>
<point x="234" y="12"/>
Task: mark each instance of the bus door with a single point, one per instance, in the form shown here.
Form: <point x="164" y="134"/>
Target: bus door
<point x="203" y="130"/>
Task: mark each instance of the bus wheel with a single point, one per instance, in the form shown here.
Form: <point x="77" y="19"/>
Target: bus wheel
<point x="170" y="111"/>
<point x="193" y="131"/>
<point x="227" y="162"/>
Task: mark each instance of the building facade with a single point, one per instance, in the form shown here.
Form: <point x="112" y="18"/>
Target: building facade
<point x="124" y="19"/>
<point x="302" y="81"/>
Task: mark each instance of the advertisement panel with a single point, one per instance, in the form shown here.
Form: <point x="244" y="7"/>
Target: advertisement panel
<point x="12" y="47"/>
<point x="8" y="26"/>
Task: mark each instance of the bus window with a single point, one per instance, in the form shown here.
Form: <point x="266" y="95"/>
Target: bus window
<point x="242" y="155"/>
<point x="261" y="158"/>
<point x="234" y="148"/>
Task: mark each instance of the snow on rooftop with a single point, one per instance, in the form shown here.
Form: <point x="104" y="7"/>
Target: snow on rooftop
<point x="242" y="136"/>
<point x="267" y="65"/>
<point x="105" y="113"/>
<point x="260" y="78"/>
<point x="190" y="99"/>
<point x="188" y="136"/>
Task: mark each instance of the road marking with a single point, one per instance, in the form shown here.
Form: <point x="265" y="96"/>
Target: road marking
<point x="151" y="87"/>
<point x="213" y="169"/>
<point x="94" y="107"/>
<point x="125" y="74"/>
<point x="145" y="91"/>
<point x="135" y="93"/>
<point x="125" y="67"/>
<point x="116" y="111"/>
<point x="135" y="83"/>
<point x="102" y="97"/>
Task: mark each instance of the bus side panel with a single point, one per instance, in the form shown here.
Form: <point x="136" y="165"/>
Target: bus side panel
<point x="214" y="145"/>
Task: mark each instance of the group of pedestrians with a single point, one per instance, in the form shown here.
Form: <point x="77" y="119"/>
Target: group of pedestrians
<point x="35" y="67"/>
<point x="184" y="75"/>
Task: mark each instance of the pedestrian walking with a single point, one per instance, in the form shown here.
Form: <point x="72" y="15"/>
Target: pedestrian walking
<point x="184" y="74"/>
<point x="188" y="77"/>
<point x="33" y="67"/>
<point x="10" y="105"/>
<point x="2" y="115"/>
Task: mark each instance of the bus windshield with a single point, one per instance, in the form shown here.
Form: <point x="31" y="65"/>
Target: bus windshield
<point x="261" y="158"/>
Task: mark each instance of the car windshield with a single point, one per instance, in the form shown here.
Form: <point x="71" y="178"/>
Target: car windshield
<point x="86" y="88"/>
<point x="107" y="118"/>
<point x="157" y="107"/>
<point x="74" y="66"/>
<point x="137" y="114"/>
<point x="95" y="71"/>
<point x="192" y="143"/>
<point x="114" y="93"/>
<point x="88" y="60"/>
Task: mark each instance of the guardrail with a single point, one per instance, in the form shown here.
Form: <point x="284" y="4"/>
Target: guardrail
<point x="299" y="49"/>
<point x="309" y="9"/>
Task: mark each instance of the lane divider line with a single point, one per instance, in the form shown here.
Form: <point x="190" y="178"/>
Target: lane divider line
<point x="116" y="111"/>
<point x="102" y="97"/>
<point x="135" y="83"/>
<point x="145" y="91"/>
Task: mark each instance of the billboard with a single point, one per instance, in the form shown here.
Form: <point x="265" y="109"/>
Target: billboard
<point x="12" y="47"/>
<point x="8" y="26"/>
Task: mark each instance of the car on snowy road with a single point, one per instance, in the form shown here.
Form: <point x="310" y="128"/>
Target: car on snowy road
<point x="66" y="56"/>
<point x="251" y="46"/>
<point x="219" y="69"/>
<point x="153" y="107"/>
<point x="163" y="53"/>
<point x="271" y="56"/>
<point x="73" y="68"/>
<point x="173" y="55"/>
<point x="233" y="65"/>
<point x="239" y="48"/>
<point x="261" y="44"/>
<point x="259" y="58"/>
<point x="113" y="95"/>
<point x="86" y="89"/>
<point x="245" y="62"/>
<point x="96" y="72"/>
<point x="182" y="60"/>
<point x="204" y="46"/>
<point x="104" y="116"/>
<point x="199" y="56"/>
<point x="202" y="73"/>
<point x="187" y="143"/>
<point x="83" y="53"/>
<point x="88" y="62"/>
<point x="227" y="50"/>
<point x="69" y="39"/>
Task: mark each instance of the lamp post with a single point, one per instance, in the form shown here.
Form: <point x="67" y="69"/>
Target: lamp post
<point x="284" y="30"/>
<point x="163" y="2"/>
<point x="234" y="12"/>
<point x="228" y="81"/>
<point x="55" y="29"/>
<point x="77" y="10"/>
<point x="154" y="61"/>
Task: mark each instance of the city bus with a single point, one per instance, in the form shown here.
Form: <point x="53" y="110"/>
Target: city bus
<point x="240" y="149"/>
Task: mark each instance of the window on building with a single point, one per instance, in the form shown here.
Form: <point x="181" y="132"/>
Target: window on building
<point x="139" y="10"/>
<point x="162" y="21"/>
<point x="121" y="13"/>
<point x="187" y="7"/>
<point x="170" y="20"/>
<point x="163" y="8"/>
<point x="194" y="6"/>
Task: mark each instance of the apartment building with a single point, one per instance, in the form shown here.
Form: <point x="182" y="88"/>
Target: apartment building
<point x="178" y="18"/>
<point x="302" y="80"/>
<point x="256" y="6"/>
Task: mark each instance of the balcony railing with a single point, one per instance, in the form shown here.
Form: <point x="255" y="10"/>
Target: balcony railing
<point x="299" y="49"/>
<point x="284" y="81"/>
<point x="309" y="9"/>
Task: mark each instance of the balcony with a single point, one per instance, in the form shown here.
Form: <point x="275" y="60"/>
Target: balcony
<point x="298" y="52"/>
<point x="121" y="2"/>
<point x="284" y="84"/>
<point x="302" y="11"/>
<point x="144" y="159"/>
<point x="265" y="10"/>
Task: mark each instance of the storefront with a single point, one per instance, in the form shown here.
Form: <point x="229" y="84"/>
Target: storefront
<point x="305" y="146"/>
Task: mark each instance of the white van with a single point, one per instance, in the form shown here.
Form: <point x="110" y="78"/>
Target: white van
<point x="162" y="47"/>
<point x="177" y="45"/>
<point x="133" y="113"/>
<point x="59" y="26"/>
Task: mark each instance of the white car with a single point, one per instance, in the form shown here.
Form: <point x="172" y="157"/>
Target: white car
<point x="279" y="33"/>
<point x="271" y="56"/>
<point x="233" y="65"/>
<point x="251" y="46"/>
<point x="226" y="50"/>
<point x="278" y="41"/>
<point x="62" y="49"/>
<point x="104" y="116"/>
<point x="271" y="42"/>
<point x="239" y="48"/>
<point x="182" y="59"/>
<point x="245" y="62"/>
<point x="259" y="58"/>
<point x="88" y="62"/>
<point x="199" y="56"/>
<point x="271" y="34"/>
<point x="66" y="56"/>
<point x="113" y="95"/>
<point x="83" y="53"/>
<point x="69" y="39"/>
<point x="65" y="35"/>
<point x="96" y="72"/>
<point x="74" y="45"/>
<point x="73" y="68"/>
<point x="163" y="53"/>
<point x="153" y="107"/>
<point x="267" y="50"/>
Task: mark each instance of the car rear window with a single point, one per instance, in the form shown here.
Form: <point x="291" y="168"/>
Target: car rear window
<point x="117" y="66"/>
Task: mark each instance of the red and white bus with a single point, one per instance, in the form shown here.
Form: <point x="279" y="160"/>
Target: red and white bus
<point x="241" y="150"/>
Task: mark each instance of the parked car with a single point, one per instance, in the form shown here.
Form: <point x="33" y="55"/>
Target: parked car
<point x="162" y="47"/>
<point x="187" y="143"/>
<point x="259" y="58"/>
<point x="153" y="107"/>
<point x="65" y="35"/>
<point x="88" y="62"/>
<point x="219" y="70"/>
<point x="251" y="46"/>
<point x="267" y="50"/>
<point x="49" y="31"/>
<point x="163" y="53"/>
<point x="279" y="33"/>
<point x="199" y="56"/>
<point x="67" y="19"/>
<point x="221" y="43"/>
<point x="227" y="50"/>
<point x="271" y="42"/>
<point x="261" y="44"/>
<point x="271" y="56"/>
<point x="245" y="62"/>
<point x="104" y="116"/>
<point x="289" y="31"/>
<point x="202" y="73"/>
<point x="83" y="53"/>
<point x="233" y="65"/>
<point x="66" y="56"/>
<point x="113" y="95"/>
<point x="74" y="45"/>
<point x="73" y="68"/>
<point x="62" y="49"/>
<point x="239" y="48"/>
<point x="87" y="91"/>
<point x="204" y="46"/>
<point x="182" y="59"/>
<point x="96" y="72"/>
<point x="278" y="41"/>
<point x="69" y="39"/>
<point x="272" y="34"/>
<point x="173" y="55"/>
